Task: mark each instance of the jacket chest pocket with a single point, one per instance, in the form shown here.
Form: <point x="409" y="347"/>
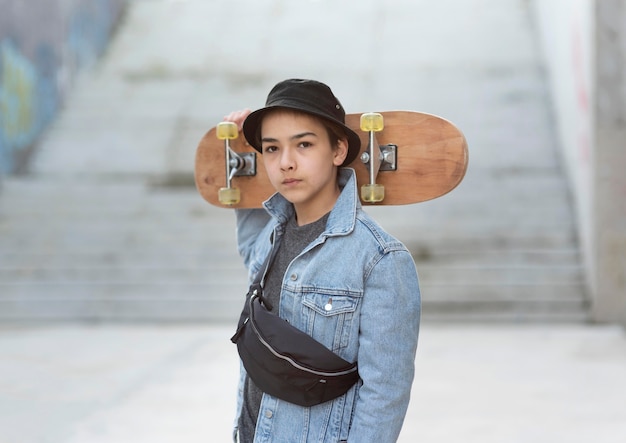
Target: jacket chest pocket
<point x="330" y="317"/>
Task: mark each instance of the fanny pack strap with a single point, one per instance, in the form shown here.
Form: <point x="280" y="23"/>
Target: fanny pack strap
<point x="257" y="284"/>
<point x="255" y="287"/>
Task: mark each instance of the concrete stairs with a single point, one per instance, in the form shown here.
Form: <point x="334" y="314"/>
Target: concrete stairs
<point x="130" y="252"/>
<point x="496" y="250"/>
<point x="93" y="235"/>
<point x="511" y="284"/>
<point x="87" y="252"/>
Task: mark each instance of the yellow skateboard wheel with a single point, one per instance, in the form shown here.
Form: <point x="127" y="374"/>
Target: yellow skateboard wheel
<point x="372" y="193"/>
<point x="227" y="131"/>
<point x="229" y="196"/>
<point x="372" y="121"/>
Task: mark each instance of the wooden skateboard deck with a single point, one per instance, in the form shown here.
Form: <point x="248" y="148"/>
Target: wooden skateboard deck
<point x="430" y="157"/>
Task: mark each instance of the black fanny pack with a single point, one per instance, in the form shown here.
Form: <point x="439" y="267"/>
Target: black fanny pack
<point x="285" y="362"/>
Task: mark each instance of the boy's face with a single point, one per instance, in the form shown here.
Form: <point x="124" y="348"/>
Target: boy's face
<point x="301" y="163"/>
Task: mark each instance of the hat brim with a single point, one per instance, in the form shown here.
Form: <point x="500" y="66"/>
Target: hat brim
<point x="253" y="121"/>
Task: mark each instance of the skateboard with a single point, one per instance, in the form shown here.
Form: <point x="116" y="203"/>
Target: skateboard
<point x="406" y="157"/>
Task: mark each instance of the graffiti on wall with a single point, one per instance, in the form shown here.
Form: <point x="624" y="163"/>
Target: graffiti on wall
<point x="18" y="107"/>
<point x="28" y="99"/>
<point x="32" y="85"/>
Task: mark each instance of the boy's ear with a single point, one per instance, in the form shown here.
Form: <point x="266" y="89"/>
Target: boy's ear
<point x="341" y="152"/>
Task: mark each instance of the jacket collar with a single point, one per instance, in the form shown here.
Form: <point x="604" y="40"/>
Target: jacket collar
<point x="343" y="215"/>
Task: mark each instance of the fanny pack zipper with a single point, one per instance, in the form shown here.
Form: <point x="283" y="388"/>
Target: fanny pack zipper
<point x="291" y="361"/>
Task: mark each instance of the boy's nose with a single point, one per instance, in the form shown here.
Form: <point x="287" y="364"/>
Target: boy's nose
<point x="286" y="159"/>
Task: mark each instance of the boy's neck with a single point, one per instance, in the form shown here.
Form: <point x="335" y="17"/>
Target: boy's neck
<point x="307" y="213"/>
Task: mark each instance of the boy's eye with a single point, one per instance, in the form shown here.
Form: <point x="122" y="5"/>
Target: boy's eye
<point x="269" y="148"/>
<point x="305" y="144"/>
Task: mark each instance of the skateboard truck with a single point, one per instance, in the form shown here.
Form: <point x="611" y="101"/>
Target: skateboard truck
<point x="243" y="164"/>
<point x="377" y="158"/>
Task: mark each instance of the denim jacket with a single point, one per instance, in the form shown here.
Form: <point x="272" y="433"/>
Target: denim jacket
<point x="369" y="281"/>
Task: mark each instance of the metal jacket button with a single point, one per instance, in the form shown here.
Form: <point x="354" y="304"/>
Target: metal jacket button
<point x="329" y="305"/>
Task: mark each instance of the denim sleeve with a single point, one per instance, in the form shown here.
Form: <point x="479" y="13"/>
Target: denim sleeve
<point x="250" y="222"/>
<point x="389" y="327"/>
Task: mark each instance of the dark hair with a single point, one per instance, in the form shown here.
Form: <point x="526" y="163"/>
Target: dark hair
<point x="334" y="131"/>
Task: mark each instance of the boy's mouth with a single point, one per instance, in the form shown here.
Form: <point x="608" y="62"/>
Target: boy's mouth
<point x="290" y="181"/>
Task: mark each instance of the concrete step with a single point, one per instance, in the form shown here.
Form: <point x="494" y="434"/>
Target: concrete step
<point x="119" y="274"/>
<point x="501" y="275"/>
<point x="221" y="301"/>
<point x="17" y="267"/>
<point x="149" y="303"/>
<point x="505" y="313"/>
<point x="487" y="256"/>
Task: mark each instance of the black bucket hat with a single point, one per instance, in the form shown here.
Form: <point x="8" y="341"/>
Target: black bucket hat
<point x="309" y="96"/>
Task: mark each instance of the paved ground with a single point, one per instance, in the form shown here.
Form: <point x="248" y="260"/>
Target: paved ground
<point x="99" y="227"/>
<point x="135" y="384"/>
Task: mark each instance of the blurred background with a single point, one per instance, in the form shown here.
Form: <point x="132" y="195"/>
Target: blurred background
<point x="103" y="103"/>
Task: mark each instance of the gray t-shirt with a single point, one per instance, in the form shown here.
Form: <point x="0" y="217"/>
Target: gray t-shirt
<point x="295" y="239"/>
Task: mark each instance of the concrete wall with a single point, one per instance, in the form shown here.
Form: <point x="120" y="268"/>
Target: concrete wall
<point x="609" y="201"/>
<point x="43" y="46"/>
<point x="584" y="45"/>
